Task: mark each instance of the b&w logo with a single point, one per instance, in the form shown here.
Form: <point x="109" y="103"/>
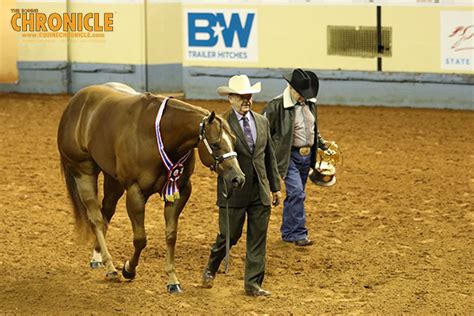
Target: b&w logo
<point x="221" y="35"/>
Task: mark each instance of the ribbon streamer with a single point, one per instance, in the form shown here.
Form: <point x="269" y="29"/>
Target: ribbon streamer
<point x="170" y="192"/>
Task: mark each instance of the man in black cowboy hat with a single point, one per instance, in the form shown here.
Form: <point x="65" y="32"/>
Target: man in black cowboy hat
<point x="293" y="125"/>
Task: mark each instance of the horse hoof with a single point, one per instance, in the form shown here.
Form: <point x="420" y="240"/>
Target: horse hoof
<point x="128" y="275"/>
<point x="96" y="264"/>
<point x="174" y="288"/>
<point x="112" y="276"/>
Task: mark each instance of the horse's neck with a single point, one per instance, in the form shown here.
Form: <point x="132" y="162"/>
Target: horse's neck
<point x="180" y="127"/>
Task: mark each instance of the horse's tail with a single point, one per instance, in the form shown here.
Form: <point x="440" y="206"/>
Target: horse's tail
<point x="83" y="224"/>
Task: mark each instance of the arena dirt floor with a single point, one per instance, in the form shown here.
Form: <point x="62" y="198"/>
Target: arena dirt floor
<point x="394" y="235"/>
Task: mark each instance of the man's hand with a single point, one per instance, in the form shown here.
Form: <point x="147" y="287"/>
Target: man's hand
<point x="276" y="196"/>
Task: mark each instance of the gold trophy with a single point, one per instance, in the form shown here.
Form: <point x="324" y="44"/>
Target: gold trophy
<point x="324" y="171"/>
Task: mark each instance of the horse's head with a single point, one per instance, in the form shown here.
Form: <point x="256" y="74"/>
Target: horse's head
<point x="216" y="151"/>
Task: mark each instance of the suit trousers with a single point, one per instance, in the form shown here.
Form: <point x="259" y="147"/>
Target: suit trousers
<point x="258" y="216"/>
<point x="293" y="225"/>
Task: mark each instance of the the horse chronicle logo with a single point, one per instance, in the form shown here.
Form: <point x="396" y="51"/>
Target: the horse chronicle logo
<point x="32" y="23"/>
<point x="221" y="35"/>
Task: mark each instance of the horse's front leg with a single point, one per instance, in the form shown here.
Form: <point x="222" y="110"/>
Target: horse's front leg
<point x="136" y="212"/>
<point x="172" y="211"/>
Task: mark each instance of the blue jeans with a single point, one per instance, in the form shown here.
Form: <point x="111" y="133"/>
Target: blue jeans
<point x="294" y="217"/>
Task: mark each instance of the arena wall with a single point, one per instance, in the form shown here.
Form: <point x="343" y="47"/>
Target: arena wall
<point x="150" y="49"/>
<point x="411" y="76"/>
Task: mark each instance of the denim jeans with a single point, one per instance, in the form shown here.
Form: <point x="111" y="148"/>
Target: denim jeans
<point x="294" y="217"/>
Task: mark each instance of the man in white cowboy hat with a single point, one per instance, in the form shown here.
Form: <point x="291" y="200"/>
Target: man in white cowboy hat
<point x="293" y="125"/>
<point x="262" y="187"/>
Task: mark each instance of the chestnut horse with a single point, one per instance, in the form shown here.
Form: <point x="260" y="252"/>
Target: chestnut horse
<point x="111" y="129"/>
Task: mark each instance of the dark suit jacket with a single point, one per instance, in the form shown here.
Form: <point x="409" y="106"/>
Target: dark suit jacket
<point x="282" y="122"/>
<point x="262" y="162"/>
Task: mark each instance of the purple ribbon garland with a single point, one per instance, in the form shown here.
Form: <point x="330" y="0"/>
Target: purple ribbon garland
<point x="170" y="190"/>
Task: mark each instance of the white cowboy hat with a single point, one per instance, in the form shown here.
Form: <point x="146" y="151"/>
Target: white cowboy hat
<point x="239" y="84"/>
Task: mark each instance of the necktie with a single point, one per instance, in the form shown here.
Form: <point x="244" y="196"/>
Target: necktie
<point x="248" y="133"/>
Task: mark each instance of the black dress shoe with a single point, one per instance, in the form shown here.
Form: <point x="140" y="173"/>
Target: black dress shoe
<point x="303" y="242"/>
<point x="208" y="278"/>
<point x="257" y="291"/>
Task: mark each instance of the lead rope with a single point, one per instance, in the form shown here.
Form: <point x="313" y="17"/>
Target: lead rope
<point x="227" y="233"/>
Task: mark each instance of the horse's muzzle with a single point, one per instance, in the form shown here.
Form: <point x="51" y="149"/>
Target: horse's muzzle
<point x="231" y="183"/>
<point x="238" y="182"/>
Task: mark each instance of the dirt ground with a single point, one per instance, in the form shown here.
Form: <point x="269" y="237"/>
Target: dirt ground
<point x="394" y="235"/>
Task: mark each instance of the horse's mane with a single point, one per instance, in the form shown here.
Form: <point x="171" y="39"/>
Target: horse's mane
<point x="181" y="105"/>
<point x="184" y="106"/>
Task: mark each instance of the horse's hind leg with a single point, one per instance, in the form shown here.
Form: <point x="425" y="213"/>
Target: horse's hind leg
<point x="113" y="191"/>
<point x="172" y="211"/>
<point x="136" y="212"/>
<point x="87" y="190"/>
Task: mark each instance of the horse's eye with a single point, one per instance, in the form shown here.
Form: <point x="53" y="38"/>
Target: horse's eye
<point x="215" y="146"/>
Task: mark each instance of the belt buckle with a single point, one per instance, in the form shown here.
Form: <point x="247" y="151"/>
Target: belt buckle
<point x="305" y="151"/>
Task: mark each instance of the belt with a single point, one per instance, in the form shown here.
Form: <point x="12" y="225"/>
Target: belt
<point x="304" y="151"/>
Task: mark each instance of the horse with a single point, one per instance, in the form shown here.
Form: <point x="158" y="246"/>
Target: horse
<point x="112" y="129"/>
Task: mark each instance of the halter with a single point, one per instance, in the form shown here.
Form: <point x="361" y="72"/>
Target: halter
<point x="217" y="159"/>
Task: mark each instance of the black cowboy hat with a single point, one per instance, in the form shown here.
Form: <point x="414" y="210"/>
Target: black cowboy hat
<point x="305" y="82"/>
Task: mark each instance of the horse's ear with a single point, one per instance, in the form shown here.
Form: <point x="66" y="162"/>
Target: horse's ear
<point x="211" y="117"/>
